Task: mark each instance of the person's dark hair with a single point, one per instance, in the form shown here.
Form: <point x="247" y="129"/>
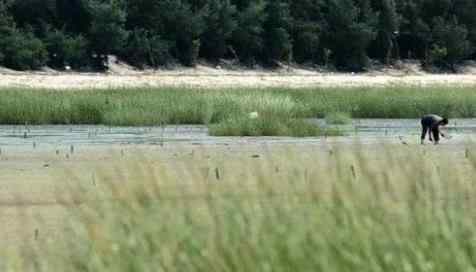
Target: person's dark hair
<point x="444" y="121"/>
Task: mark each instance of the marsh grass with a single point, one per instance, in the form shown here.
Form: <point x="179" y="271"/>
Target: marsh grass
<point x="338" y="118"/>
<point x="189" y="106"/>
<point x="347" y="209"/>
<point x="269" y="126"/>
<point x="220" y="108"/>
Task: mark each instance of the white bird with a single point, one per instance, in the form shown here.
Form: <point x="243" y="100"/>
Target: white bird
<point x="253" y="115"/>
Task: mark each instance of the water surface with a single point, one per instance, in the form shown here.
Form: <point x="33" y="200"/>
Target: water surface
<point x="365" y="130"/>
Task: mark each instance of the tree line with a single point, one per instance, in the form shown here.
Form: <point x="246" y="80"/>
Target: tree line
<point x="344" y="34"/>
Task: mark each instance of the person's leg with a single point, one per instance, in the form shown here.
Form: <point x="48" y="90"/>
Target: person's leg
<point x="436" y="135"/>
<point x="424" y="130"/>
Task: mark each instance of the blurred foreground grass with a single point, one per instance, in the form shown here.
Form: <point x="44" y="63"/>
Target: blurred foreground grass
<point x="339" y="208"/>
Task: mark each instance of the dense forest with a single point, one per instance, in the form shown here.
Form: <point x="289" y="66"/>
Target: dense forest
<point x="344" y="34"/>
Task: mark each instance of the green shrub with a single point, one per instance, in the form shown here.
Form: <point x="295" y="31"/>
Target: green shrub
<point x="146" y="49"/>
<point x="23" y="51"/>
<point x="66" y="50"/>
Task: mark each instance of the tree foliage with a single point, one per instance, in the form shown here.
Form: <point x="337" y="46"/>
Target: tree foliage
<point x="151" y="33"/>
<point x="350" y="31"/>
<point x="220" y="22"/>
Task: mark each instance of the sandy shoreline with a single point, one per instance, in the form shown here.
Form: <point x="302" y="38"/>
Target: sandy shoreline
<point x="227" y="79"/>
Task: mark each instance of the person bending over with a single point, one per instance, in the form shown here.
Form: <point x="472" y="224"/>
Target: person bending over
<point x="431" y="124"/>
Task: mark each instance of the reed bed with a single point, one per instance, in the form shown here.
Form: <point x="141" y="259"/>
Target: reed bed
<point x="155" y="106"/>
<point x="338" y="118"/>
<point x="270" y="126"/>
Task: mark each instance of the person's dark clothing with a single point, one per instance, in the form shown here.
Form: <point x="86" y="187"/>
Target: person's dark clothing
<point x="430" y="124"/>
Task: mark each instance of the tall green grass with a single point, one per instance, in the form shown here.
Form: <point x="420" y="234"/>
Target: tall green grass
<point x="269" y="126"/>
<point x="389" y="209"/>
<point x="188" y="106"/>
<point x="338" y="118"/>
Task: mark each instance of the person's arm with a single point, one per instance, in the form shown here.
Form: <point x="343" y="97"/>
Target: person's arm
<point x="440" y="132"/>
<point x="446" y="136"/>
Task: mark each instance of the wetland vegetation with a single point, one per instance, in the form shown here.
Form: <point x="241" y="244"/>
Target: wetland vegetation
<point x="226" y="110"/>
<point x="344" y="209"/>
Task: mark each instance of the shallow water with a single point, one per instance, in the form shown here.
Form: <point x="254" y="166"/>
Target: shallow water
<point x="403" y="127"/>
<point x="365" y="130"/>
